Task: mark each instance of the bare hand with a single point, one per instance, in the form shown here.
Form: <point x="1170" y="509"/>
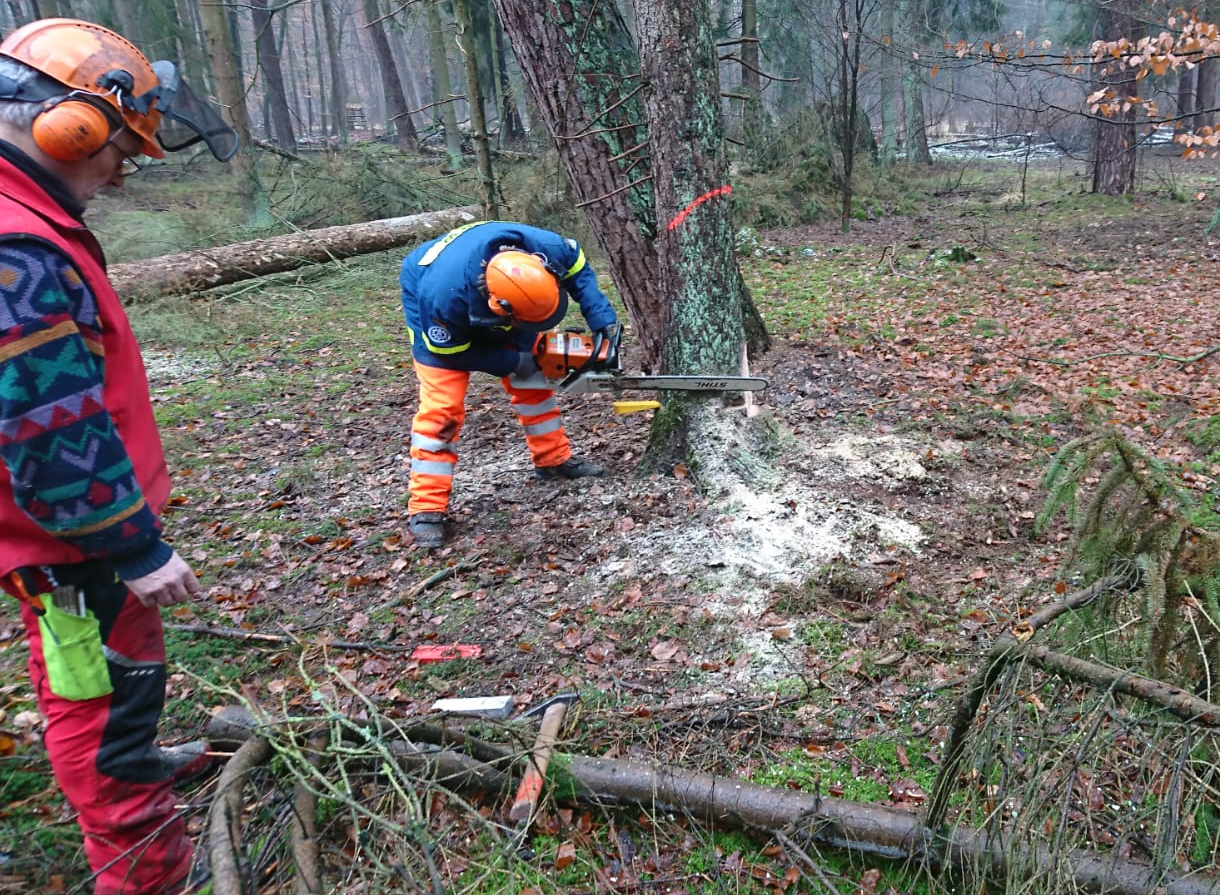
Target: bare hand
<point x="173" y="583"/>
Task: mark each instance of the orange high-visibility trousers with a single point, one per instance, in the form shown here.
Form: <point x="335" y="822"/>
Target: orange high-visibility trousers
<point x="438" y="423"/>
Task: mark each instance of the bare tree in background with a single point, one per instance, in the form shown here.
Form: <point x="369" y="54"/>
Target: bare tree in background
<point x="465" y="43"/>
<point x="1114" y="146"/>
<point x="337" y="105"/>
<point x="442" y="90"/>
<point x="268" y="50"/>
<point x="397" y="110"/>
<point x="232" y="97"/>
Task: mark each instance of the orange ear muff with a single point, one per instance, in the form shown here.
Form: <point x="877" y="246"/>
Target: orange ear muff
<point x="71" y="129"/>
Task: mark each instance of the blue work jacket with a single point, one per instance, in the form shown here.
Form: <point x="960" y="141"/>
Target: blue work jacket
<point x="445" y="301"/>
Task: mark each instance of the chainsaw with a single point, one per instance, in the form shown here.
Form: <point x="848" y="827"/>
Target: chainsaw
<point x="577" y="363"/>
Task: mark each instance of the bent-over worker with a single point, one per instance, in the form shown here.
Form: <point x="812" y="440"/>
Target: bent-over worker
<point x="475" y="300"/>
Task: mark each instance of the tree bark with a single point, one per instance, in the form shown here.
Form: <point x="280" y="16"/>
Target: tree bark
<point x="224" y="819"/>
<point x="890" y="79"/>
<point x="1205" y="94"/>
<point x="1114" y="141"/>
<point x="512" y="129"/>
<point x="753" y="114"/>
<point x="474" y="99"/>
<point x="442" y="90"/>
<point x="912" y="91"/>
<point x="397" y="110"/>
<point x="707" y="296"/>
<point x="709" y="313"/>
<point x="198" y="270"/>
<point x="338" y="85"/>
<point x="268" y="50"/>
<point x="232" y="97"/>
<point x="580" y="64"/>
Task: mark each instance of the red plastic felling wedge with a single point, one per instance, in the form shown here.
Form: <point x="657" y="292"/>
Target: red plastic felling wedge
<point x="446" y="652"/>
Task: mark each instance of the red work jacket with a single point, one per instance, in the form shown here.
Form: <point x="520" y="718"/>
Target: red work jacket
<point x="26" y="210"/>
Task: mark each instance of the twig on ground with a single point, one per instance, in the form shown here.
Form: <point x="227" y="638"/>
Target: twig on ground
<point x="1155" y="355"/>
<point x="431" y="581"/>
<point x="287" y="639"/>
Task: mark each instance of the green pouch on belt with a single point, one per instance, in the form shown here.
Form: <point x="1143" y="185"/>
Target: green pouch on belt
<point x="72" y="651"/>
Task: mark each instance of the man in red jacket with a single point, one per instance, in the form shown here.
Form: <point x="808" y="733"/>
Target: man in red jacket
<point x="83" y="479"/>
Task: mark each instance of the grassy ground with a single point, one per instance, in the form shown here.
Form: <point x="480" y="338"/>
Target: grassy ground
<point x="927" y="367"/>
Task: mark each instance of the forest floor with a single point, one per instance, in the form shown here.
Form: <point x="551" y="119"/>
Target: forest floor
<point x="825" y="592"/>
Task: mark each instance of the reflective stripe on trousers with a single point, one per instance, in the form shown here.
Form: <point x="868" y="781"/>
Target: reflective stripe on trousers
<point x="438" y="424"/>
<point x="538" y="413"/>
<point x="434" y="437"/>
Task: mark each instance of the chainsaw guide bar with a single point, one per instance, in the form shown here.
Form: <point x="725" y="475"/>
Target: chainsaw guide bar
<point x="589" y="383"/>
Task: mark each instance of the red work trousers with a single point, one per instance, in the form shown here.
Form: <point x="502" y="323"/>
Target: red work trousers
<point x="103" y="751"/>
<point x="438" y="423"/>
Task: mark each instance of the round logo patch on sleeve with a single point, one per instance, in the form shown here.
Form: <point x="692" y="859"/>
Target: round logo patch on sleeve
<point x="438" y="333"/>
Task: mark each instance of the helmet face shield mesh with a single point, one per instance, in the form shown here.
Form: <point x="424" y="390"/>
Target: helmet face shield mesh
<point x="186" y="119"/>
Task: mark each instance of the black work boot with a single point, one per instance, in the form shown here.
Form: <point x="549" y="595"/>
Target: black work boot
<point x="188" y="762"/>
<point x="571" y="468"/>
<point x="428" y="529"/>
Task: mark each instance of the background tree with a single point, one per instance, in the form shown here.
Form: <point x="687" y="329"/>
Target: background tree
<point x="282" y="133"/>
<point x="442" y="90"/>
<point x="337" y="106"/>
<point x="398" y="113"/>
<point x="232" y="97"/>
<point x="580" y="64"/>
<point x="464" y="40"/>
<point x="1114" y="145"/>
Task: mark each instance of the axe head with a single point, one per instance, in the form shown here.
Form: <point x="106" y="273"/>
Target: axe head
<point x="566" y="699"/>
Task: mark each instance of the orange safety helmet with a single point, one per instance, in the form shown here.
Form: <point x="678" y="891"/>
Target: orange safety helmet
<point x="102" y="71"/>
<point x="520" y="287"/>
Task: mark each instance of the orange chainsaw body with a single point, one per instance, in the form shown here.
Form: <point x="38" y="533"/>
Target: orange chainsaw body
<point x="559" y="352"/>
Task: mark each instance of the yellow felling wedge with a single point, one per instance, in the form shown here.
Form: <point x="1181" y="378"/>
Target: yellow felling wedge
<point x="625" y="407"/>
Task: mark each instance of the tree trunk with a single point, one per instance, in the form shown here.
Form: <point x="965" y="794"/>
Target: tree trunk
<point x="581" y="67"/>
<point x="338" y="86"/>
<point x="849" y="26"/>
<point x="190" y="46"/>
<point x="709" y="306"/>
<point x="474" y="98"/>
<point x="720" y="803"/>
<point x="1205" y="94"/>
<point x="912" y="94"/>
<point x="704" y="328"/>
<point x="890" y="79"/>
<point x="753" y="115"/>
<point x="442" y="92"/>
<point x="1114" y="142"/>
<point x="512" y="129"/>
<point x="232" y="98"/>
<point x="397" y="110"/>
<point x="276" y="98"/>
<point x="204" y="269"/>
<point x="1186" y="98"/>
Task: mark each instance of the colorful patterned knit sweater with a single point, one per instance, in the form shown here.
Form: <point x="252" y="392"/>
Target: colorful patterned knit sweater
<point x="70" y="470"/>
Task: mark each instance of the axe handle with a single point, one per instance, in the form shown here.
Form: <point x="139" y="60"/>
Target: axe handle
<point x="531" y="784"/>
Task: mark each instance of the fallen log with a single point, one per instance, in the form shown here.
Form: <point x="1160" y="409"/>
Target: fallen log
<point x="224" y="820"/>
<point x="723" y="802"/>
<point x="195" y="271"/>
<point x="856" y="826"/>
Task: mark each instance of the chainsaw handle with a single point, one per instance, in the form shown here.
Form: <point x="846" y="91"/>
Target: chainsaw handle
<point x="599" y="340"/>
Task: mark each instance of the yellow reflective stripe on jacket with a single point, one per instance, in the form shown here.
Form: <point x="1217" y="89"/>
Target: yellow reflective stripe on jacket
<point x="575" y="268"/>
<point x="443" y="243"/>
<point x="452" y="349"/>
